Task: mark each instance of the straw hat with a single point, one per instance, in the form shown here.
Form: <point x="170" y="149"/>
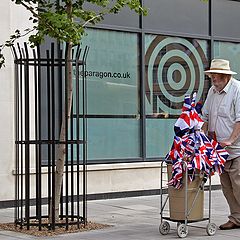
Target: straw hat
<point x="220" y="66"/>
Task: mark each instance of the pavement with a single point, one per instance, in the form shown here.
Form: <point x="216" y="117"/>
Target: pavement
<point x="136" y="218"/>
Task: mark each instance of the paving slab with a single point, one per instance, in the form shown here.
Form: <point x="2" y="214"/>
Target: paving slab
<point x="136" y="218"/>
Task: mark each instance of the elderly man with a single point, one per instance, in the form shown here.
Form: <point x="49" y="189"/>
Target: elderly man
<point x="221" y="114"/>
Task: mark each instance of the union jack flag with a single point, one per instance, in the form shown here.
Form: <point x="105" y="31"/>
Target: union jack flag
<point x="191" y="145"/>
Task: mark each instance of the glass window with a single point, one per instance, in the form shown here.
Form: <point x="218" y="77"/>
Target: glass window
<point x="109" y="138"/>
<point x="112" y="72"/>
<point x="231" y="52"/>
<point x="181" y="16"/>
<point x="125" y="18"/>
<point x="112" y="75"/>
<point x="174" y="68"/>
<point x="159" y="135"/>
<point x="113" y="138"/>
<point x="226" y="18"/>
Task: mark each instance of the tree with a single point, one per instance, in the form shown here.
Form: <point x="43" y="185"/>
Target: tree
<point x="65" y="21"/>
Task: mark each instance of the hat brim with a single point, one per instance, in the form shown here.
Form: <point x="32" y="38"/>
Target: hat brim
<point x="220" y="71"/>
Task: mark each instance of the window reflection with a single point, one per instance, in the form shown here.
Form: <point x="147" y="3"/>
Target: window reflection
<point x="174" y="68"/>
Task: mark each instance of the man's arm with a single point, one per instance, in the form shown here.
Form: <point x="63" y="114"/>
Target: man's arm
<point x="205" y="127"/>
<point x="234" y="136"/>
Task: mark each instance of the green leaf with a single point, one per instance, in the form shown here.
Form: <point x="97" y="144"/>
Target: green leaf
<point x="66" y="20"/>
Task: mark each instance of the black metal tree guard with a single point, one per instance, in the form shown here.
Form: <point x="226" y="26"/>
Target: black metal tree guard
<point x="40" y="99"/>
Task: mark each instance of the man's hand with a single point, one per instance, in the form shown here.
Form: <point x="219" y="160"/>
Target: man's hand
<point x="234" y="136"/>
<point x="225" y="144"/>
<point x="205" y="127"/>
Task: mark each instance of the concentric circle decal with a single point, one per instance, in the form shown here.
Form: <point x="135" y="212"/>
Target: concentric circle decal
<point x="174" y="68"/>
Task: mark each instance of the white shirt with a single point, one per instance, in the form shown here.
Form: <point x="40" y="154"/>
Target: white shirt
<point x="221" y="111"/>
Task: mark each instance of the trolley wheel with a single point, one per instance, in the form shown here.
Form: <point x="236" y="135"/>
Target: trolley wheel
<point x="211" y="229"/>
<point x="182" y="230"/>
<point x="164" y="228"/>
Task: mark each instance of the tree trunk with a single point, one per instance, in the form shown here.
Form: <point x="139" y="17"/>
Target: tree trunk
<point x="61" y="149"/>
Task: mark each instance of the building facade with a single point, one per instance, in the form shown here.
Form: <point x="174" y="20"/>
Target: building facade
<point x="138" y="71"/>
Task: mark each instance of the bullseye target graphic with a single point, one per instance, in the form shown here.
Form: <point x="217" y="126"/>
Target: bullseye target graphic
<point x="174" y="68"/>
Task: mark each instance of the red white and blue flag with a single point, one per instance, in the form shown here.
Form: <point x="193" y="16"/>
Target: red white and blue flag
<point x="191" y="145"/>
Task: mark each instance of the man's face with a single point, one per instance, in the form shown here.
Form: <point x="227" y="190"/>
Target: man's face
<point x="219" y="81"/>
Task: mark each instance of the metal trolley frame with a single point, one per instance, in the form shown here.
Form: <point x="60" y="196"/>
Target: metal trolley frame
<point x="182" y="225"/>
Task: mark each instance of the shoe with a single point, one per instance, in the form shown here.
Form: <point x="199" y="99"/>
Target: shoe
<point x="228" y="225"/>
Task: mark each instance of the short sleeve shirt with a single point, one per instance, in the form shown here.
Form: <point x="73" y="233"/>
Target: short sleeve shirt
<point x="222" y="110"/>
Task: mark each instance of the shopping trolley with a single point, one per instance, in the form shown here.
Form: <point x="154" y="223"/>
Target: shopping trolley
<point x="189" y="201"/>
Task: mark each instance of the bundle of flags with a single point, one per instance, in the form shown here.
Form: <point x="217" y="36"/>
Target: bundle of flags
<point x="191" y="145"/>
